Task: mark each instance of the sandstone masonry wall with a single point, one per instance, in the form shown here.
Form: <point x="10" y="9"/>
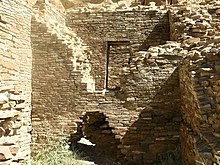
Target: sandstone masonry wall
<point x="144" y="110"/>
<point x="150" y="104"/>
<point x="196" y="28"/>
<point x="144" y="117"/>
<point x="142" y="28"/>
<point x="15" y="81"/>
<point x="134" y="108"/>
<point x="200" y="137"/>
<point x="60" y="71"/>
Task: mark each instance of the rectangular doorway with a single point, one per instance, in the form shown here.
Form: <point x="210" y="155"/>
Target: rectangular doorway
<point x="118" y="57"/>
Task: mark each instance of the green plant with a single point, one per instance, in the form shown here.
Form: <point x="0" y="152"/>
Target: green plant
<point x="57" y="153"/>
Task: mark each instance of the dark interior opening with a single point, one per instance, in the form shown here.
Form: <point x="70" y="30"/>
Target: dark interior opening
<point x="104" y="147"/>
<point x="118" y="56"/>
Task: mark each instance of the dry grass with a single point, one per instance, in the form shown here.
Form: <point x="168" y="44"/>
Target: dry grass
<point x="56" y="153"/>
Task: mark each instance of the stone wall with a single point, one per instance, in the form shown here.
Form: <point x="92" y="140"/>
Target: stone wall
<point x="112" y="76"/>
<point x="196" y="28"/>
<point x="142" y="28"/>
<point x="144" y="117"/>
<point x="15" y="81"/>
<point x="60" y="71"/>
<point x="199" y="83"/>
<point x="143" y="107"/>
<point x="142" y="77"/>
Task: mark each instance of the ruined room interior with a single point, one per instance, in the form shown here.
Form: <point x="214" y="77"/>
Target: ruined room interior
<point x="138" y="80"/>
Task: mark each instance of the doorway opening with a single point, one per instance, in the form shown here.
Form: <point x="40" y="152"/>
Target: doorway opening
<point x="118" y="58"/>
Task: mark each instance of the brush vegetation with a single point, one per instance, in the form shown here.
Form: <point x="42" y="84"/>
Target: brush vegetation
<point x="56" y="153"/>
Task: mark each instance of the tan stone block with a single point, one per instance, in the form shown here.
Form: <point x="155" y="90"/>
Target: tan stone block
<point x="6" y="163"/>
<point x="14" y="97"/>
<point x="5" y="153"/>
<point x="192" y="40"/>
<point x="5" y="106"/>
<point x="20" y="106"/>
<point x="8" y="124"/>
<point x="3" y="99"/>
<point x="7" y="88"/>
<point x="217" y="11"/>
<point x="14" y="149"/>
<point x="216" y="134"/>
<point x="8" y="113"/>
<point x="217" y="67"/>
<point x="2" y="131"/>
<point x="9" y="65"/>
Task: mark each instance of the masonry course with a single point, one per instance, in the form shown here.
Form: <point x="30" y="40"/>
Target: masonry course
<point x="15" y="81"/>
<point x="145" y="79"/>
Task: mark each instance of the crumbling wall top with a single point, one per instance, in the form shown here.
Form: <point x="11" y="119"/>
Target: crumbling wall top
<point x="115" y="8"/>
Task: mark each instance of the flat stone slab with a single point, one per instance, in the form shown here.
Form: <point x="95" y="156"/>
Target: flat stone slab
<point x="84" y="162"/>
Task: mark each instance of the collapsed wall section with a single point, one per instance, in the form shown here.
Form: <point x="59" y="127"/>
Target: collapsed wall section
<point x="197" y="28"/>
<point x="144" y="113"/>
<point x="60" y="71"/>
<point x="143" y="105"/>
<point x="199" y="85"/>
<point x="15" y="81"/>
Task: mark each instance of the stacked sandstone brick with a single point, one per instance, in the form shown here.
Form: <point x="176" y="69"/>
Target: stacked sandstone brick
<point x="60" y="67"/>
<point x="197" y="28"/>
<point x="133" y="111"/>
<point x="15" y="81"/>
<point x="14" y="126"/>
<point x="144" y="114"/>
<point x="141" y="26"/>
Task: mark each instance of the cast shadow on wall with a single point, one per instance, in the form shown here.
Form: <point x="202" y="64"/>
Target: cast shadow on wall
<point x="159" y="34"/>
<point x="154" y="136"/>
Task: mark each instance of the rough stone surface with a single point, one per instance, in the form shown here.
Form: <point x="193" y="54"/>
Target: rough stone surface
<point x="199" y="77"/>
<point x="60" y="67"/>
<point x="15" y="81"/>
<point x="141" y="28"/>
<point x="109" y="72"/>
<point x="140" y="80"/>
